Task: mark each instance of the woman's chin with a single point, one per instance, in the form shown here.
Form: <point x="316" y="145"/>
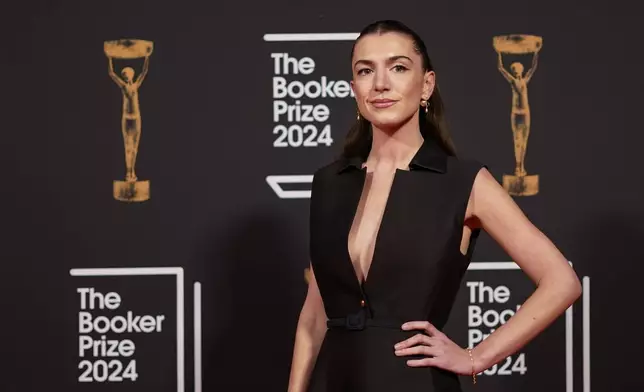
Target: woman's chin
<point x="388" y="122"/>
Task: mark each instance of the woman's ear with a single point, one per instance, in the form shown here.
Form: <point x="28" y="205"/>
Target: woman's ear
<point x="429" y="81"/>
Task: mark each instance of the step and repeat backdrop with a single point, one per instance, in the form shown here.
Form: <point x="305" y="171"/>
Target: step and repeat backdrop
<point x="159" y="159"/>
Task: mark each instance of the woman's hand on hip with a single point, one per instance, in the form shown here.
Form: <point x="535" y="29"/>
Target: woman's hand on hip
<point x="440" y="350"/>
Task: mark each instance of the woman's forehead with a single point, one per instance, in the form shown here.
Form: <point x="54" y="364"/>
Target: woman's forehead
<point x="382" y="46"/>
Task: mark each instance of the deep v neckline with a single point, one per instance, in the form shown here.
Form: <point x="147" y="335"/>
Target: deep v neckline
<point x="367" y="275"/>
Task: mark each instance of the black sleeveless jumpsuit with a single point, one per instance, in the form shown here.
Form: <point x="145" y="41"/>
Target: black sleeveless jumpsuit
<point x="415" y="273"/>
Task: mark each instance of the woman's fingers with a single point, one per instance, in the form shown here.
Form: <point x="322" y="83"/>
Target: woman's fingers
<point x="416" y="339"/>
<point x="419" y="339"/>
<point x="424" y="362"/>
<point x="424" y="325"/>
<point x="431" y="351"/>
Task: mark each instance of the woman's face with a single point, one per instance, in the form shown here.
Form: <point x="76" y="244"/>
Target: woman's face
<point x="388" y="79"/>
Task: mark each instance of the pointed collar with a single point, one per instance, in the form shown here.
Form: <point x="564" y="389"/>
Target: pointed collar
<point x="430" y="156"/>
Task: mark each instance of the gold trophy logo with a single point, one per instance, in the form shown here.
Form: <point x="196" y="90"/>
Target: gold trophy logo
<point x="130" y="190"/>
<point x="519" y="184"/>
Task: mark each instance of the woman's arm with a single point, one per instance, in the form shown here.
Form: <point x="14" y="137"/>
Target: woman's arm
<point x="490" y="207"/>
<point x="311" y="329"/>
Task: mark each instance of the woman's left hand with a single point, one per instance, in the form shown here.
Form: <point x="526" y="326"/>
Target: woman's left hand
<point x="442" y="351"/>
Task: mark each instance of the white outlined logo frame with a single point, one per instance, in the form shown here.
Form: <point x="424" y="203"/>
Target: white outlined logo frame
<point x="276" y="181"/>
<point x="510" y="265"/>
<point x="180" y="295"/>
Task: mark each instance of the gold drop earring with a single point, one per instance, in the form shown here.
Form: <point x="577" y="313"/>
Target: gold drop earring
<point x="425" y="103"/>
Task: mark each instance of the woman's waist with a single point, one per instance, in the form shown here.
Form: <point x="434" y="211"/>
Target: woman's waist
<point x="371" y="343"/>
<point x="364" y="318"/>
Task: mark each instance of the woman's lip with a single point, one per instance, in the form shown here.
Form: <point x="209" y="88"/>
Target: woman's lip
<point x="383" y="103"/>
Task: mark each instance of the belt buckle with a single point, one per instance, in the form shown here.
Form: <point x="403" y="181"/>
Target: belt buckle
<point x="356" y="321"/>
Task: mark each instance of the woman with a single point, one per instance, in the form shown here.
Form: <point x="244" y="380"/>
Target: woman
<point x="393" y="224"/>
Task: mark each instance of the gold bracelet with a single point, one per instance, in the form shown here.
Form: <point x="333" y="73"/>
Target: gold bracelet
<point x="469" y="351"/>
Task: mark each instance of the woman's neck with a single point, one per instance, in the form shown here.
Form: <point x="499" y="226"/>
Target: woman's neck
<point x="394" y="149"/>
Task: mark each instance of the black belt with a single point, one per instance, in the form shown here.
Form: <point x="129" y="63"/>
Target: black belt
<point x="359" y="321"/>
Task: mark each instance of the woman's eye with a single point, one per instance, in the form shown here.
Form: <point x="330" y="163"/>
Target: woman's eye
<point x="400" y="68"/>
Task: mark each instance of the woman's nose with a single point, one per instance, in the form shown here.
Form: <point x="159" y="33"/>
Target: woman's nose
<point x="380" y="81"/>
